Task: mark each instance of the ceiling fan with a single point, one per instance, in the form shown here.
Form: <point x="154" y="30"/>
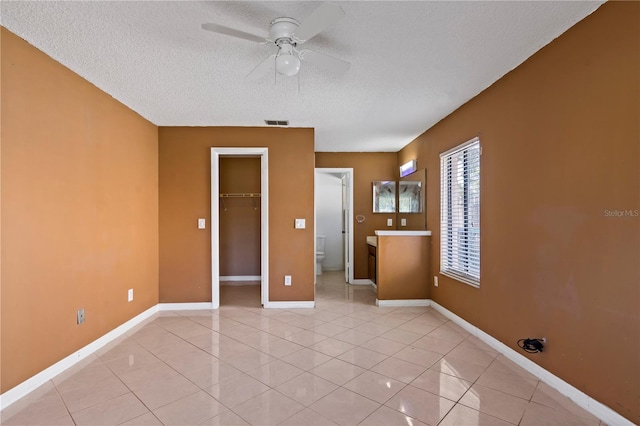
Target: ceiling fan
<point x="288" y="34"/>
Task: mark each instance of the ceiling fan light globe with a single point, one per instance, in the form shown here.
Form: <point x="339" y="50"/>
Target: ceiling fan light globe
<point x="288" y="65"/>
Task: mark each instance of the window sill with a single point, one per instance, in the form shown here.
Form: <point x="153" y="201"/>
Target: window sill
<point x="469" y="281"/>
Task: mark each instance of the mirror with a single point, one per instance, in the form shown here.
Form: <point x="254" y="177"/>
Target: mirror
<point x="384" y="196"/>
<point x="412" y="214"/>
<point x="410" y="196"/>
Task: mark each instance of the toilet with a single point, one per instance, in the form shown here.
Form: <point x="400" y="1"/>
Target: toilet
<point x="320" y="243"/>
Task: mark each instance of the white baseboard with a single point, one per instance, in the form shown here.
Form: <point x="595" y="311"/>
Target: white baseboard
<point x="403" y="302"/>
<point x="594" y="407"/>
<point x="290" y="305"/>
<point x="374" y="286"/>
<point x="361" y="281"/>
<point x="240" y="278"/>
<point x="194" y="306"/>
<point x="34" y="382"/>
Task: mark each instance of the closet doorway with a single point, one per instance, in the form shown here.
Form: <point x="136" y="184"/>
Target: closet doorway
<point x="239" y="224"/>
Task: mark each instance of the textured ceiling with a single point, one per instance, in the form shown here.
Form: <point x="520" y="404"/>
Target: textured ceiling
<point x="413" y="63"/>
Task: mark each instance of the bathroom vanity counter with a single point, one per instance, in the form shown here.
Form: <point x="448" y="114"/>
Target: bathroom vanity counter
<point x="401" y="265"/>
<point x="372" y="240"/>
<point x="403" y="233"/>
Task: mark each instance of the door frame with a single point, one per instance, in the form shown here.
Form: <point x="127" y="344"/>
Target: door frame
<point x="216" y="153"/>
<point x="343" y="171"/>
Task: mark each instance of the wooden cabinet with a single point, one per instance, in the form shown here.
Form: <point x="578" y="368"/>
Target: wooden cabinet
<point x="402" y="265"/>
<point x="372" y="263"/>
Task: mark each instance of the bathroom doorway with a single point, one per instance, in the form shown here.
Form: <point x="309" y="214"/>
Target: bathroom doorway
<point x="334" y="218"/>
<point x="255" y="203"/>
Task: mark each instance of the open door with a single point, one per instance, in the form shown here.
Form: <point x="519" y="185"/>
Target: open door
<point x="346" y="177"/>
<point x="346" y="225"/>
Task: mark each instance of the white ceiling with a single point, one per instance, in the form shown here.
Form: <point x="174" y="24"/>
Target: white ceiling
<point x="413" y="63"/>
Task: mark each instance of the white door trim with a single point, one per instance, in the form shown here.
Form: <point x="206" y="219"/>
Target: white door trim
<point x="215" y="222"/>
<point x="349" y="172"/>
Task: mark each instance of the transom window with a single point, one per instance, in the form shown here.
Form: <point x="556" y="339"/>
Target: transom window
<point x="460" y="212"/>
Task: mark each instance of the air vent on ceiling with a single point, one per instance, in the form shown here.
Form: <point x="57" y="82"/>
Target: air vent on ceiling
<point x="277" y="122"/>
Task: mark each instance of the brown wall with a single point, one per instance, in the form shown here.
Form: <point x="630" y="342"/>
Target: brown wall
<point x="367" y="167"/>
<point x="185" y="195"/>
<point x="402" y="267"/>
<point x="79" y="211"/>
<point x="560" y="139"/>
<point x="239" y="217"/>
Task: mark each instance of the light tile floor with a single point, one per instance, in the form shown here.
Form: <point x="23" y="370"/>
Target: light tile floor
<point x="346" y="362"/>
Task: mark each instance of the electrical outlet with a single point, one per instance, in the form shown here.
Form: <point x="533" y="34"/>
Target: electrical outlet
<point x="80" y="316"/>
<point x="202" y="223"/>
<point x="287" y="280"/>
<point x="403" y="222"/>
<point x="435" y="281"/>
<point x="389" y="222"/>
<point x="130" y="295"/>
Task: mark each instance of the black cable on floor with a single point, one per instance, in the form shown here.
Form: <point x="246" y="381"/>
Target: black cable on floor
<point x="532" y="346"/>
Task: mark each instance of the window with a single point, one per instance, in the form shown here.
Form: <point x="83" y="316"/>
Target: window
<point x="460" y="212"/>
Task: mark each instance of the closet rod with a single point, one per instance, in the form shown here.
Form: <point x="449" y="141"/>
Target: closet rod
<point x="240" y="195"/>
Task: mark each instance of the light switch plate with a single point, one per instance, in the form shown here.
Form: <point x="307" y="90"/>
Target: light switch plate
<point x="129" y="295"/>
<point x="403" y="222"/>
<point x="389" y="222"/>
<point x="202" y="223"/>
<point x="300" y="223"/>
<point x="287" y="280"/>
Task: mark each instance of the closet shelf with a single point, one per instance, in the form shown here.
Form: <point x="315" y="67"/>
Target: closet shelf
<point x="240" y="195"/>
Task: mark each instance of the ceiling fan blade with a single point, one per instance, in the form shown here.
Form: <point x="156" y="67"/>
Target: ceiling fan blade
<point x="321" y="18"/>
<point x="327" y="62"/>
<point x="233" y="33"/>
<point x="263" y="68"/>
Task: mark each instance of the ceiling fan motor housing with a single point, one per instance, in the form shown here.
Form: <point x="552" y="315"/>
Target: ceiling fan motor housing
<point x="287" y="63"/>
<point x="281" y="30"/>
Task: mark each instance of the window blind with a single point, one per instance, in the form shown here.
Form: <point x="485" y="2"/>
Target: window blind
<point x="460" y="212"/>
